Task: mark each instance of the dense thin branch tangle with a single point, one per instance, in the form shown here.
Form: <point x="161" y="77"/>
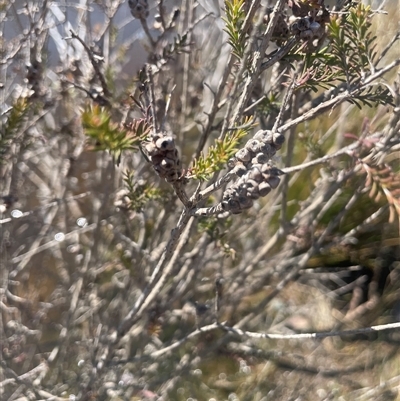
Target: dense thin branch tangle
<point x="190" y="192"/>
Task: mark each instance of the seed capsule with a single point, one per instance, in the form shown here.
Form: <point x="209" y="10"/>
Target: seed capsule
<point x="245" y="203"/>
<point x="267" y="137"/>
<point x="156" y="135"/>
<point x="232" y="162"/>
<point x="303" y="24"/>
<point x="234" y="204"/>
<point x="259" y="135"/>
<point x="256" y="175"/>
<point x="264" y="189"/>
<point x="314" y="27"/>
<point x="294" y="28"/>
<point x="172" y="154"/>
<point x="253" y="193"/>
<point x="156" y="159"/>
<point x="165" y="143"/>
<point x="240" y="190"/>
<point x="171" y="176"/>
<point x="243" y="155"/>
<point x="276" y="171"/>
<point x="268" y="149"/>
<point x="228" y="193"/>
<point x="253" y="145"/>
<point x="240" y="169"/>
<point x="158" y="169"/>
<point x="273" y="181"/>
<point x="265" y="169"/>
<point x="151" y="149"/>
<point x="306" y="35"/>
<point x="167" y="164"/>
<point x="261" y="158"/>
<point x="139" y="8"/>
<point x="278" y="139"/>
<point x="251" y="184"/>
<point x="225" y="205"/>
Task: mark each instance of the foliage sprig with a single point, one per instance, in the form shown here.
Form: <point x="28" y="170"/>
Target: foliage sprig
<point x="235" y="15"/>
<point x="348" y="56"/>
<point x="219" y="153"/>
<point x="110" y="136"/>
<point x="139" y="192"/>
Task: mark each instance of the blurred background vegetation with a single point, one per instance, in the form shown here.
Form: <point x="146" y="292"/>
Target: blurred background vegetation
<point x="85" y="220"/>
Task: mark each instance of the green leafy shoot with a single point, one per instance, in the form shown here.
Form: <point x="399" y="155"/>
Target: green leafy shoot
<point x="106" y="135"/>
<point x="348" y="57"/>
<point x="138" y="193"/>
<point x="352" y="42"/>
<point x="9" y="129"/>
<point x="235" y="15"/>
<point x="218" y="154"/>
<point x="373" y="96"/>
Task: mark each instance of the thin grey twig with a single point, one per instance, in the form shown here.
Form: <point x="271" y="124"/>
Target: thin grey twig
<point x="346" y="150"/>
<point x="164" y="120"/>
<point x="325" y="334"/>
<point x="331" y="103"/>
<point x="95" y="64"/>
<point x="285" y="103"/>
<point x="167" y="254"/>
<point x="279" y="54"/>
<point x="395" y="38"/>
<point x="257" y="58"/>
<point x="271" y="336"/>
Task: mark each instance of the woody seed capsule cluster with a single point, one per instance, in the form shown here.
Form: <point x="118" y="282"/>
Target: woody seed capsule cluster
<point x="258" y="182"/>
<point x="257" y="176"/>
<point x="310" y="22"/>
<point x="258" y="150"/>
<point x="306" y="28"/>
<point x="164" y="157"/>
<point x="139" y="8"/>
